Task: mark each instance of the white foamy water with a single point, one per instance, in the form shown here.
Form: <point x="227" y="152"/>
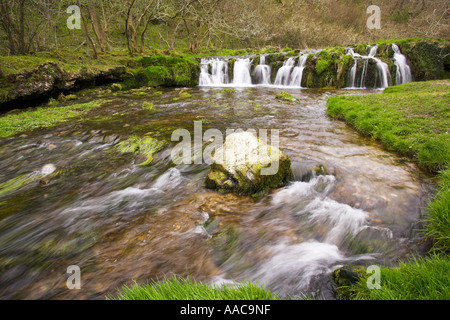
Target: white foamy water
<point x="297" y="268"/>
<point x="294" y="268"/>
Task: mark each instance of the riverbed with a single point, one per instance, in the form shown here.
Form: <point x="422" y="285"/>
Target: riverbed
<point x="121" y="222"/>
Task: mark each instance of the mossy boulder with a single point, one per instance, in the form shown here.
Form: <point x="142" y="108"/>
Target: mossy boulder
<point x="248" y="166"/>
<point x="327" y="68"/>
<point x="429" y="60"/>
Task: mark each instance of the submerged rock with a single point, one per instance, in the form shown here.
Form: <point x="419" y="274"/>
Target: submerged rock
<point x="248" y="166"/>
<point x="284" y="96"/>
<point x="144" y="147"/>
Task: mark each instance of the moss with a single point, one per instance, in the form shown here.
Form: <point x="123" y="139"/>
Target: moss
<point x="183" y="94"/>
<point x="116" y="87"/>
<point x="291" y="53"/>
<point x="225" y="90"/>
<point x="361" y="49"/>
<point x="15" y="183"/>
<point x="71" y="97"/>
<point x="170" y="71"/>
<point x="42" y="117"/>
<point x="248" y="180"/>
<point x="146" y="146"/>
<point x="147" y="106"/>
<point x="327" y="69"/>
<point x="284" y="96"/>
<point x="345" y="277"/>
<point x="157" y="76"/>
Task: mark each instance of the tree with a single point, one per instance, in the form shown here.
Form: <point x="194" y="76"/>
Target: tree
<point x="87" y="33"/>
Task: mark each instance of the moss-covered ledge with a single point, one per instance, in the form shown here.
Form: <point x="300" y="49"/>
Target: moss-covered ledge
<point x="327" y="68"/>
<point x="29" y="79"/>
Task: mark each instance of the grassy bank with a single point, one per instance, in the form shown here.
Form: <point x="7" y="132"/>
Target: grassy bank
<point x="412" y="120"/>
<point x="178" y="288"/>
<point x="417" y="279"/>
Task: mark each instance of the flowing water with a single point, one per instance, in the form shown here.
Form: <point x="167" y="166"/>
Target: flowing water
<point x="403" y="73"/>
<point x="381" y="67"/>
<point x="91" y="206"/>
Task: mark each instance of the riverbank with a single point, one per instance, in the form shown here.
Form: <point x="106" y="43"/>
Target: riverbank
<point x="412" y="120"/>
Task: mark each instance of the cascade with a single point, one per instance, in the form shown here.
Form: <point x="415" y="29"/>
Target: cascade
<point x="297" y="73"/>
<point x="381" y="67"/>
<point x="284" y="73"/>
<point x="218" y="75"/>
<point x="403" y="73"/>
<point x="241" y="71"/>
<point x="262" y="72"/>
<point x="352" y="74"/>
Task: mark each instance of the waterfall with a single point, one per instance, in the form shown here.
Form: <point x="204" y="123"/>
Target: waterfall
<point x="403" y="73"/>
<point x="297" y="73"/>
<point x="373" y="51"/>
<point x="241" y="72"/>
<point x="367" y="71"/>
<point x="284" y="73"/>
<point x="352" y="74"/>
<point x="382" y="69"/>
<point x="262" y="72"/>
<point x="218" y="75"/>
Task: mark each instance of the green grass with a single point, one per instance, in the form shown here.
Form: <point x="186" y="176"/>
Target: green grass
<point x="177" y="288"/>
<point x="438" y="215"/>
<point x="412" y="120"/>
<point x="417" y="279"/>
<point x="43" y="117"/>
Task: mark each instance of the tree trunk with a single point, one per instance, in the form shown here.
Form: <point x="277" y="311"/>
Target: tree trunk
<point x="105" y="27"/>
<point x="96" y="27"/>
<point x="55" y="30"/>
<point x="129" y="24"/>
<point x="91" y="41"/>
<point x="22" y="43"/>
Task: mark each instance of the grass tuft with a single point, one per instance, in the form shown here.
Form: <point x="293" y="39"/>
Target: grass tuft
<point x="417" y="279"/>
<point x="178" y="288"/>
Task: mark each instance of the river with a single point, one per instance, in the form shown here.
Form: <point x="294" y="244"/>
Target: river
<point x="120" y="222"/>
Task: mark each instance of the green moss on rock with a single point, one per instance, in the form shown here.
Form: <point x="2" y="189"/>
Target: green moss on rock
<point x="146" y="146"/>
<point x="345" y="277"/>
<point x="243" y="166"/>
<point x="284" y="96"/>
<point x="169" y="71"/>
<point x="327" y="68"/>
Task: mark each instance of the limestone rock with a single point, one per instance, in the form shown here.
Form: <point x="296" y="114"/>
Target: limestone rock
<point x="248" y="166"/>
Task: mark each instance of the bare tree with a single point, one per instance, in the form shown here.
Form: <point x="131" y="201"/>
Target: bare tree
<point x="87" y="33"/>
